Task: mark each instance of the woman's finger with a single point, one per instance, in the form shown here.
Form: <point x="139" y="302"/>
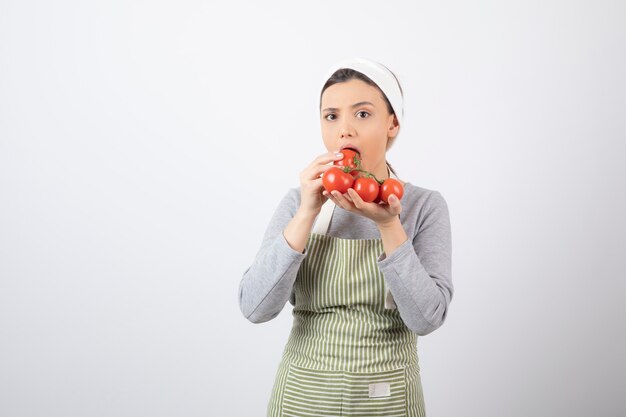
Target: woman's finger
<point x="332" y="197"/>
<point x="394" y="204"/>
<point x="341" y="200"/>
<point x="355" y="198"/>
<point x="317" y="183"/>
<point x="325" y="158"/>
<point x="317" y="170"/>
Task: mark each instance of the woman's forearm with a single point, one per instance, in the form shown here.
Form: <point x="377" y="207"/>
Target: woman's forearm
<point x="298" y="229"/>
<point x="392" y="235"/>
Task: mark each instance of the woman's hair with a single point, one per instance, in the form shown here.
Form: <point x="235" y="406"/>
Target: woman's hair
<point x="347" y="74"/>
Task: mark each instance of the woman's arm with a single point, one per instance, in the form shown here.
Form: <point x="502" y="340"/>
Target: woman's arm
<point x="418" y="271"/>
<point x="393" y="235"/>
<point x="267" y="284"/>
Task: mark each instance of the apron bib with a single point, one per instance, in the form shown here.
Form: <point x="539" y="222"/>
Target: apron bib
<point x="349" y="353"/>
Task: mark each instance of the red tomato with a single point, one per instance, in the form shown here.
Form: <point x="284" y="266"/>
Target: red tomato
<point x="335" y="179"/>
<point x="349" y="160"/>
<point x="390" y="186"/>
<point x="366" y="188"/>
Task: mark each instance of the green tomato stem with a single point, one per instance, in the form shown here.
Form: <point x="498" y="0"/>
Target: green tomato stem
<point x="368" y="174"/>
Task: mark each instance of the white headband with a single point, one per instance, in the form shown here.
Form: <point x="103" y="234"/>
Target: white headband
<point x="378" y="73"/>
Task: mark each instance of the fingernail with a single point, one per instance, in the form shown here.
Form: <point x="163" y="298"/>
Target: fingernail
<point x="338" y="154"/>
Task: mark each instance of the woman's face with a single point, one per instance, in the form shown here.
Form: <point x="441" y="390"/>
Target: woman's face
<point x="354" y="114"/>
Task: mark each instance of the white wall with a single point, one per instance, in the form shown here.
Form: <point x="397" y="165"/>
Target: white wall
<point x="144" y="146"/>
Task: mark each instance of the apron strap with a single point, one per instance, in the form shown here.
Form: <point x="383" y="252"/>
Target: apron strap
<point x="323" y="219"/>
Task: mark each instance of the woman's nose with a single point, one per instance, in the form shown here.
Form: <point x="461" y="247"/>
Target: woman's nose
<point x="346" y="129"/>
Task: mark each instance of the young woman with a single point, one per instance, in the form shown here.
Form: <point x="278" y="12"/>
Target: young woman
<point x="365" y="279"/>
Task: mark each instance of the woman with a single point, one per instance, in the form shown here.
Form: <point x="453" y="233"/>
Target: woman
<point x="365" y="279"/>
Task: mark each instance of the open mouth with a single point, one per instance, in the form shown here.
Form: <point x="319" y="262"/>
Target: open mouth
<point x="351" y="148"/>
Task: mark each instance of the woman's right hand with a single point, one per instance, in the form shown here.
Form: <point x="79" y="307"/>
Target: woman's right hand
<point x="311" y="187"/>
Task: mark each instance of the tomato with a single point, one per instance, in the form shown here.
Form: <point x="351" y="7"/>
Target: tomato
<point x="390" y="186"/>
<point x="335" y="179"/>
<point x="366" y="188"/>
<point x="350" y="158"/>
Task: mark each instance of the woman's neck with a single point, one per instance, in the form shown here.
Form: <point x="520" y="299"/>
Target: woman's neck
<point x="383" y="172"/>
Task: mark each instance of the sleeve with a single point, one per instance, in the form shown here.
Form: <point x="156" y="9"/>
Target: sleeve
<point x="418" y="272"/>
<point x="267" y="284"/>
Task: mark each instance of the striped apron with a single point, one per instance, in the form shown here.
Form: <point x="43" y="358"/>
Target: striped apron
<point x="349" y="352"/>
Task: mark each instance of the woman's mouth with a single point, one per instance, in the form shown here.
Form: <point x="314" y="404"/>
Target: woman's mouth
<point x="352" y="147"/>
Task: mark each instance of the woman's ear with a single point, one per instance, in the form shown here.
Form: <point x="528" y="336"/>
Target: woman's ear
<point x="394" y="127"/>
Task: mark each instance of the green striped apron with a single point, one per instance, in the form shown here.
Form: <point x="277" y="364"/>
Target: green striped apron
<point x="349" y="353"/>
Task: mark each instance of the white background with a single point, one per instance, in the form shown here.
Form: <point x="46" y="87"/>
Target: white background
<point x="144" y="146"/>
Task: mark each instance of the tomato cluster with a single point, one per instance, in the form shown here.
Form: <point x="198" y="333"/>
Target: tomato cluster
<point x="346" y="174"/>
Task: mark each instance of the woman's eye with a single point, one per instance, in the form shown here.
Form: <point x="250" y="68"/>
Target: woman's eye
<point x="332" y="114"/>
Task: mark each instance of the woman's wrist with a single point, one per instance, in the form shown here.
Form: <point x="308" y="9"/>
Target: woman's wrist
<point x="392" y="234"/>
<point x="389" y="223"/>
<point x="306" y="214"/>
<point x="297" y="231"/>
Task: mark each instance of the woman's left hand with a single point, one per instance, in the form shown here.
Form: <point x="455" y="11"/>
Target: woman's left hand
<point x="381" y="214"/>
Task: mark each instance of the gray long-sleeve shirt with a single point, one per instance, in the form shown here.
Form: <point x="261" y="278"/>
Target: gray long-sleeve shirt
<point x="418" y="272"/>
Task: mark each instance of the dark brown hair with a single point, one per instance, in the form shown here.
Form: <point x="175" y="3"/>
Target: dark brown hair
<point x="347" y="74"/>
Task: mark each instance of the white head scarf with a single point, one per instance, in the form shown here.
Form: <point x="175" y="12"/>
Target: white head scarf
<point x="383" y="78"/>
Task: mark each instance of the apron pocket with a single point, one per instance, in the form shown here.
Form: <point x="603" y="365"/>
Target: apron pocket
<point x="342" y="393"/>
<point x="312" y="392"/>
<point x="380" y="393"/>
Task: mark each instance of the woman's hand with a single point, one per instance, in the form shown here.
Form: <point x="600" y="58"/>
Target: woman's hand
<point x="382" y="214"/>
<point x="311" y="198"/>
